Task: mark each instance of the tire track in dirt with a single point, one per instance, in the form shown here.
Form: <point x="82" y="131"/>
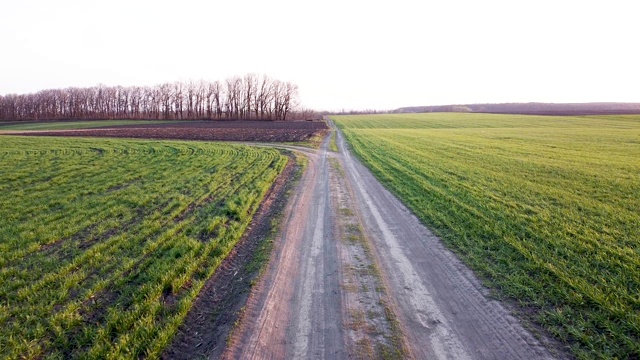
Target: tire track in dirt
<point x="295" y="310"/>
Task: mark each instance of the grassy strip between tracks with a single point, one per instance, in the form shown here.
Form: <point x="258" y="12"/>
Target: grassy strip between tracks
<point x="333" y="145"/>
<point x="545" y="209"/>
<point x="104" y="244"/>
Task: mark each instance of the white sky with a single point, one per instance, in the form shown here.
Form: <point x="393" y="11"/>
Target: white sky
<point x="347" y="54"/>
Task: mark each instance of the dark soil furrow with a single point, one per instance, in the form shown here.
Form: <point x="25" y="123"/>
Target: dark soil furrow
<point x="207" y="325"/>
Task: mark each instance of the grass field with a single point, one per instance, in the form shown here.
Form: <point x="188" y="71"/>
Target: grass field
<point x="104" y="243"/>
<point x="545" y="209"/>
<point x="66" y="125"/>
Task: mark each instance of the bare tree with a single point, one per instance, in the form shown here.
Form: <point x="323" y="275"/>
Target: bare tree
<point x="250" y="88"/>
<point x="289" y="99"/>
<point x="218" y="97"/>
<point x="248" y="97"/>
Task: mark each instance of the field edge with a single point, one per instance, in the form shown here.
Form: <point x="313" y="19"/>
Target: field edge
<point x="211" y="321"/>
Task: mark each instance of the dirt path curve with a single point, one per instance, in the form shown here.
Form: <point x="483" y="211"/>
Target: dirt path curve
<point x="443" y="309"/>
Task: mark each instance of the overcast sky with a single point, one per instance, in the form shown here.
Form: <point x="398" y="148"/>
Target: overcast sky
<point x="343" y="54"/>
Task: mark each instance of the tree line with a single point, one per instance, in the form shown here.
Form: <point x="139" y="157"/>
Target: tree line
<point x="248" y="97"/>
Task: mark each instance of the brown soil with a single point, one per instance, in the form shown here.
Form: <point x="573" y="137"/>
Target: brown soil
<point x="204" y="332"/>
<point x="233" y="124"/>
<point x="258" y="131"/>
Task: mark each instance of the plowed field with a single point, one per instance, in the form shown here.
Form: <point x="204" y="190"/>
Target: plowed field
<point x="258" y="131"/>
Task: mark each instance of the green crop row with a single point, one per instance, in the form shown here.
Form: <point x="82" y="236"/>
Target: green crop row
<point x="545" y="209"/>
<point x="104" y="244"/>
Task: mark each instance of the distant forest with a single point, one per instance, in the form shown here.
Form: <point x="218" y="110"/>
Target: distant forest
<point x="532" y="108"/>
<point x="248" y="97"/>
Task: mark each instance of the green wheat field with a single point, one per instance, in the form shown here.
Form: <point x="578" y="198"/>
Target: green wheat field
<point x="104" y="244"/>
<point x="545" y="209"/>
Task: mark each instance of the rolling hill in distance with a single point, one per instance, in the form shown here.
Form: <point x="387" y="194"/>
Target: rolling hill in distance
<point x="532" y="108"/>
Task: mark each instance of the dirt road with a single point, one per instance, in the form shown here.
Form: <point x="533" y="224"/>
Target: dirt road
<point x="355" y="275"/>
<point x="295" y="311"/>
